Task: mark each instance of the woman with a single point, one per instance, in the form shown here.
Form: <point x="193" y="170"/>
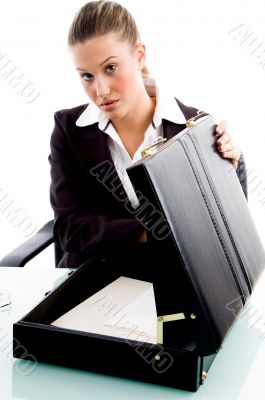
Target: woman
<point x="126" y="113"/>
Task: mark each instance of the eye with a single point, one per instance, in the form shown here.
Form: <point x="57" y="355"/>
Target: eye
<point x="87" y="77"/>
<point x="111" y="68"/>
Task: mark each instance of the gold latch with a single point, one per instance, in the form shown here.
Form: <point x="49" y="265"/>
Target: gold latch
<point x="166" y="318"/>
<point x="192" y="121"/>
<point x="204" y="376"/>
<point x="153" y="148"/>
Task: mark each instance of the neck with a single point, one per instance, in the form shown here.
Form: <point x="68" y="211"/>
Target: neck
<point x="144" y="109"/>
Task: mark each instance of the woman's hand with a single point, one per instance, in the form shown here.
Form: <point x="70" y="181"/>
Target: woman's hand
<point x="224" y="144"/>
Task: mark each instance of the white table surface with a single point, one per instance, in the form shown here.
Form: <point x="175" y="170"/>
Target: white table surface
<point x="238" y="371"/>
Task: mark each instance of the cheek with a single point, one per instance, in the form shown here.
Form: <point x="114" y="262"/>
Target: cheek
<point x="126" y="80"/>
<point x="122" y="86"/>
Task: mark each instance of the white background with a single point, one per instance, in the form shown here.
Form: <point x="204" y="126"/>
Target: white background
<point x="189" y="49"/>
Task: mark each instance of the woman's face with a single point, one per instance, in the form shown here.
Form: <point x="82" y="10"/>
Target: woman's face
<point x="110" y="71"/>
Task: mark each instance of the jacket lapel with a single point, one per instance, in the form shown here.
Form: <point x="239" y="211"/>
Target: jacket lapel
<point x="93" y="151"/>
<point x="171" y="129"/>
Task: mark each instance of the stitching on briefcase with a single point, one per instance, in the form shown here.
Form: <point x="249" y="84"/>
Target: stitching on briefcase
<point x="218" y="202"/>
<point x="215" y="224"/>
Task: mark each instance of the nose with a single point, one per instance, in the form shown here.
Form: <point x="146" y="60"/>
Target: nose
<point x="102" y="87"/>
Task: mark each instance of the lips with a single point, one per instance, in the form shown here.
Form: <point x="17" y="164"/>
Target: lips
<point x="109" y="105"/>
<point x="107" y="102"/>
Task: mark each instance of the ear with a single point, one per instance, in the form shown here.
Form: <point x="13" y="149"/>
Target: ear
<point x="140" y="54"/>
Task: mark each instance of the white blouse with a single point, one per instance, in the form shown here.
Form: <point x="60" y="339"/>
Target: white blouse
<point x="166" y="107"/>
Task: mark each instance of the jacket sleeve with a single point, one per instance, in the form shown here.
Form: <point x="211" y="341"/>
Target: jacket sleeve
<point x="78" y="227"/>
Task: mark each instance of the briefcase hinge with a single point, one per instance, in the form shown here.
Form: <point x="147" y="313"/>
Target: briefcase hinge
<point x="153" y="148"/>
<point x="192" y="121"/>
<point x="166" y="318"/>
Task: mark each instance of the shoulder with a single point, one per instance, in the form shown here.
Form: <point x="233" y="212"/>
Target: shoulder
<point x="64" y="127"/>
<point x="67" y="117"/>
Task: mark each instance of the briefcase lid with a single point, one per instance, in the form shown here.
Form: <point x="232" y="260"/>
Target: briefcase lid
<point x="199" y="197"/>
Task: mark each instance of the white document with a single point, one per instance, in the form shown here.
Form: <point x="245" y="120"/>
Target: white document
<point x="125" y="308"/>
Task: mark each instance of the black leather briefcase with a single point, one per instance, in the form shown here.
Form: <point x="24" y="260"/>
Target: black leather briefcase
<point x="209" y="257"/>
<point x="195" y="213"/>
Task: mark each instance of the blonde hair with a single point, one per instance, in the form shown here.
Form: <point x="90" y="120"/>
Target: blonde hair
<point x="98" y="18"/>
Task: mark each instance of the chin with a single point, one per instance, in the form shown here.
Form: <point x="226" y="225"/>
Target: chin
<point x="115" y="115"/>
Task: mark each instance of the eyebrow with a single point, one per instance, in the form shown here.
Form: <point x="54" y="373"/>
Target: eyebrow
<point x="103" y="62"/>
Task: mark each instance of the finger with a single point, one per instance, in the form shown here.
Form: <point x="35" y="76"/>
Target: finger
<point x="225" y="138"/>
<point x="232" y="154"/>
<point x="221" y="127"/>
<point x="226" y="147"/>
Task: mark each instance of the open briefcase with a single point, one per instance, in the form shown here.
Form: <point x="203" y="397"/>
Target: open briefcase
<point x="203" y="238"/>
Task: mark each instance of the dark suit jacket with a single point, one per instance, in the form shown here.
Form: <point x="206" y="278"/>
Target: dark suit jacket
<point x="88" y="217"/>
